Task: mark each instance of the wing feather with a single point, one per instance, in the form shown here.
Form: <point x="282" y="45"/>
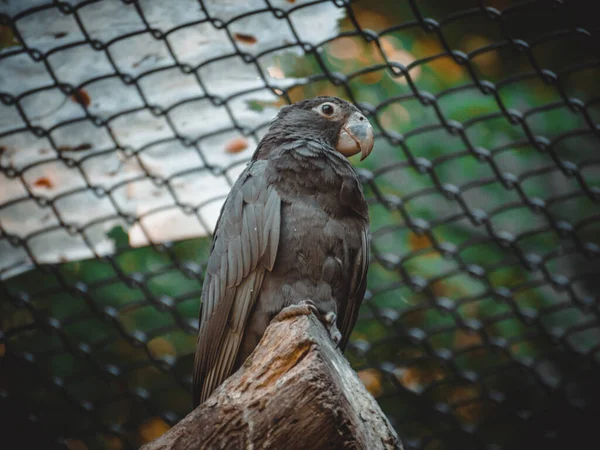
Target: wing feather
<point x="358" y="285"/>
<point x="245" y="245"/>
<point x="272" y="229"/>
<point x="228" y="352"/>
<point x="252" y="227"/>
<point x="222" y="261"/>
<point x="245" y="241"/>
<point x="232" y="263"/>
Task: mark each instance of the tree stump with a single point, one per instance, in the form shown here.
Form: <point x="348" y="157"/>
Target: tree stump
<point x="295" y="391"/>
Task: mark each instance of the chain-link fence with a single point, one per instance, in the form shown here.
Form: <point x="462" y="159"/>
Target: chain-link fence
<point x="124" y="123"/>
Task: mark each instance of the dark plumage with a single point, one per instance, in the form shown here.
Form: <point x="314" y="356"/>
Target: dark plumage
<point x="294" y="228"/>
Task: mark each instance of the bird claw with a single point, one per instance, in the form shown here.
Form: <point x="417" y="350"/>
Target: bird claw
<point x="301" y="309"/>
<point x="307" y="307"/>
<point x="329" y="320"/>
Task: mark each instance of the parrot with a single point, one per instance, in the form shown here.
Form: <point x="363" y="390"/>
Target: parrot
<point x="292" y="233"/>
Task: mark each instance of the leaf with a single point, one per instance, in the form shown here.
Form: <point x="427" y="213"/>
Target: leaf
<point x="470" y="409"/>
<point x="247" y="39"/>
<point x="153" y="429"/>
<point x="487" y="62"/>
<point x="160" y="348"/>
<point x="43" y="182"/>
<point x="444" y="67"/>
<point x="419" y="242"/>
<point x="236" y="145"/>
<point x="466" y="338"/>
<point x="7" y="37"/>
<point x="82" y="97"/>
<point x="371" y="379"/>
<point x="415" y="378"/>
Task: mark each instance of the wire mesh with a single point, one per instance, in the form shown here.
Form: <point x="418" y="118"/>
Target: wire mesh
<point x="124" y="123"/>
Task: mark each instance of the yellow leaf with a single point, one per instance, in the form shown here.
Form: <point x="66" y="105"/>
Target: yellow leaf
<point x="444" y="66"/>
<point x="371" y="379"/>
<point x="424" y="48"/>
<point x="409" y="378"/>
<point x="161" y="347"/>
<point x="470" y="408"/>
<point x="418" y="242"/>
<point x="7" y="37"/>
<point x="488" y="61"/>
<point x="414" y="377"/>
<point x="153" y="429"/>
<point x="463" y="339"/>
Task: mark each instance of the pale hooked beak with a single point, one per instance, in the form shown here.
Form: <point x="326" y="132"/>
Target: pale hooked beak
<point x="356" y="136"/>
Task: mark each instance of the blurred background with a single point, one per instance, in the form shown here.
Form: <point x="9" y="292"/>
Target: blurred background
<point x="123" y="125"/>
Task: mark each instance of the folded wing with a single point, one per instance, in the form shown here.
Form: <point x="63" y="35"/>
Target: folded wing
<point x="244" y="247"/>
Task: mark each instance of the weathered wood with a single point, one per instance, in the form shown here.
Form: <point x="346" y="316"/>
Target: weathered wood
<point x="296" y="391"/>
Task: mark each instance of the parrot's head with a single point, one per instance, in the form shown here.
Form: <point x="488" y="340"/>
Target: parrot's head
<point x="330" y="119"/>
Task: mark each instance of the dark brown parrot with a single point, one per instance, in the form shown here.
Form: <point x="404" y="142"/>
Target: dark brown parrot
<point x="294" y="230"/>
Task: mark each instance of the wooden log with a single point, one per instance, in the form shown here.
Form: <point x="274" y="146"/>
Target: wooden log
<point x="295" y="391"/>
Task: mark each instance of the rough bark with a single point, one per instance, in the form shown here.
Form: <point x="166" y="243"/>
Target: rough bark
<point x="296" y="391"/>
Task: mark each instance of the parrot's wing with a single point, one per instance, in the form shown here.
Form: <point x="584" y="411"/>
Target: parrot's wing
<point x="358" y="285"/>
<point x="244" y="246"/>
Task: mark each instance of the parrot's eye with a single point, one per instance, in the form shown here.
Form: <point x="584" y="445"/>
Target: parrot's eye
<point x="327" y="109"/>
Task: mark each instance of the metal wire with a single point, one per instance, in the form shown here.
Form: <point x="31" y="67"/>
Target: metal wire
<point x="481" y="324"/>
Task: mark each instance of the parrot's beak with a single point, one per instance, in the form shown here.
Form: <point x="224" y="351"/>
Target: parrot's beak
<point x="356" y="136"/>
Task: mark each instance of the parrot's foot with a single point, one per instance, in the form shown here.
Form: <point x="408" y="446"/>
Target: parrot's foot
<point x="329" y="320"/>
<point x="300" y="309"/>
<point x="304" y="309"/>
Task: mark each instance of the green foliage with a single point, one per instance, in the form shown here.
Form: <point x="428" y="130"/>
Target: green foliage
<point x="139" y="295"/>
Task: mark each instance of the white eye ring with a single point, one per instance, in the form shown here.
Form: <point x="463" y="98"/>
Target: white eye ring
<point x="327" y="109"/>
